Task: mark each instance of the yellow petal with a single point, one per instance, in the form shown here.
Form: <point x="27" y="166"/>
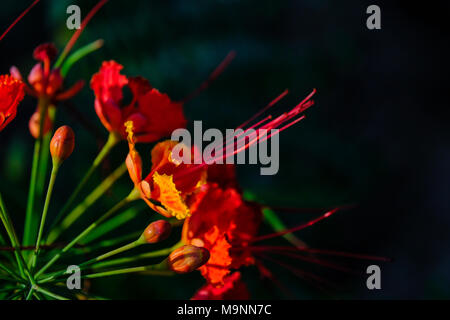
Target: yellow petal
<point x="170" y="197"/>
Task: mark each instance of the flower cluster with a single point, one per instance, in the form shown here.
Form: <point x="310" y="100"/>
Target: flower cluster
<point x="219" y="225"/>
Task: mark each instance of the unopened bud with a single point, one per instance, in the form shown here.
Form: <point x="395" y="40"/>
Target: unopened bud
<point x="62" y="144"/>
<point x="34" y="123"/>
<point x="187" y="258"/>
<point x="156" y="231"/>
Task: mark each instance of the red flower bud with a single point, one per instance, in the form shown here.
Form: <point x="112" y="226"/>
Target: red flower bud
<point x="34" y="123"/>
<point x="45" y="51"/>
<point x="157" y="231"/>
<point x="187" y="258"/>
<point x="62" y="143"/>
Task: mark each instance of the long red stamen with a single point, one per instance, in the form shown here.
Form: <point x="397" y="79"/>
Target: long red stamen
<point x="18" y="19"/>
<point x="267" y="274"/>
<point x="77" y="34"/>
<point x="217" y="71"/>
<point x="317" y="251"/>
<point x="320" y="262"/>
<point x="303" y="210"/>
<point x="300" y="227"/>
<point x="270" y="105"/>
<point x="302" y="106"/>
<point x="311" y="278"/>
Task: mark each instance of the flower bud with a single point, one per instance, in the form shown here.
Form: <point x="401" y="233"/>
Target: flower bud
<point x="187" y="258"/>
<point x="34" y="123"/>
<point x="156" y="231"/>
<point x="62" y="144"/>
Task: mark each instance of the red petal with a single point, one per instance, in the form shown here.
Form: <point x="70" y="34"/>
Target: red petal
<point x="11" y="93"/>
<point x="45" y="52"/>
<point x="72" y="91"/>
<point x="163" y="116"/>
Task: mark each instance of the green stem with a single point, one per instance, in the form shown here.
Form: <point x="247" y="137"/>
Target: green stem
<point x="37" y="296"/>
<point x="85" y="204"/>
<point x="12" y="236"/>
<point x="111" y="253"/>
<point x="113" y="139"/>
<point x="30" y="293"/>
<point x="275" y="222"/>
<point x="12" y="288"/>
<point x="153" y="254"/>
<point x="45" y="154"/>
<point x="45" y="211"/>
<point x="134" y="195"/>
<point x="148" y="255"/>
<point x="49" y="293"/>
<point x="29" y="218"/>
<point x="152" y="269"/>
<point x="80" y="53"/>
<point x="15" y="295"/>
<point x="11" y="273"/>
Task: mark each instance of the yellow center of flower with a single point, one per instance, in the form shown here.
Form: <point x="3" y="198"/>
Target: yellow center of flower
<point x="170" y="197"/>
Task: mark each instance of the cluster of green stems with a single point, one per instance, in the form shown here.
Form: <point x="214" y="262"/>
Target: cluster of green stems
<point x="30" y="281"/>
<point x="20" y="269"/>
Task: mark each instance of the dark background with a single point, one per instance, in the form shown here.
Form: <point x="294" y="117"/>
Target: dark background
<point x="377" y="136"/>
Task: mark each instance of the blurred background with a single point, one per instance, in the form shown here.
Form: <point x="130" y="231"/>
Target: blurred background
<point x="377" y="137"/>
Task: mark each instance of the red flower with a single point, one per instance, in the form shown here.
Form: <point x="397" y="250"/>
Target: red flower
<point x="46" y="82"/>
<point x="233" y="289"/>
<point x="222" y="221"/>
<point x="173" y="185"/>
<point x="153" y="114"/>
<point x="11" y="93"/>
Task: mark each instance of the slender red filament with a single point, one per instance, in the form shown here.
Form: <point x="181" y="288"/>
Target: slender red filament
<point x="217" y="71"/>
<point x="320" y="251"/>
<point x="270" y="105"/>
<point x="85" y="21"/>
<point x="18" y="19"/>
<point x="229" y="149"/>
<point x="297" y="228"/>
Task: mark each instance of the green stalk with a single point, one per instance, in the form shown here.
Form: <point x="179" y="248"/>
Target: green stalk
<point x="49" y="293"/>
<point x="111" y="253"/>
<point x="80" y="53"/>
<point x="37" y="296"/>
<point x="12" y="237"/>
<point x="11" y="273"/>
<point x="30" y="293"/>
<point x="51" y="184"/>
<point x="85" y="204"/>
<point x="152" y="269"/>
<point x="275" y="222"/>
<point x="113" y="139"/>
<point x="30" y="220"/>
<point x="45" y="155"/>
<point x="148" y="255"/>
<point x="134" y="195"/>
<point x="115" y="223"/>
<point x="15" y="295"/>
<point x="11" y="288"/>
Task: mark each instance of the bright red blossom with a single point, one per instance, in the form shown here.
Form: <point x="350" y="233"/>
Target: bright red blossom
<point x="233" y="289"/>
<point x="224" y="224"/>
<point x="169" y="183"/>
<point x="46" y="82"/>
<point x="153" y="114"/>
<point x="11" y="93"/>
